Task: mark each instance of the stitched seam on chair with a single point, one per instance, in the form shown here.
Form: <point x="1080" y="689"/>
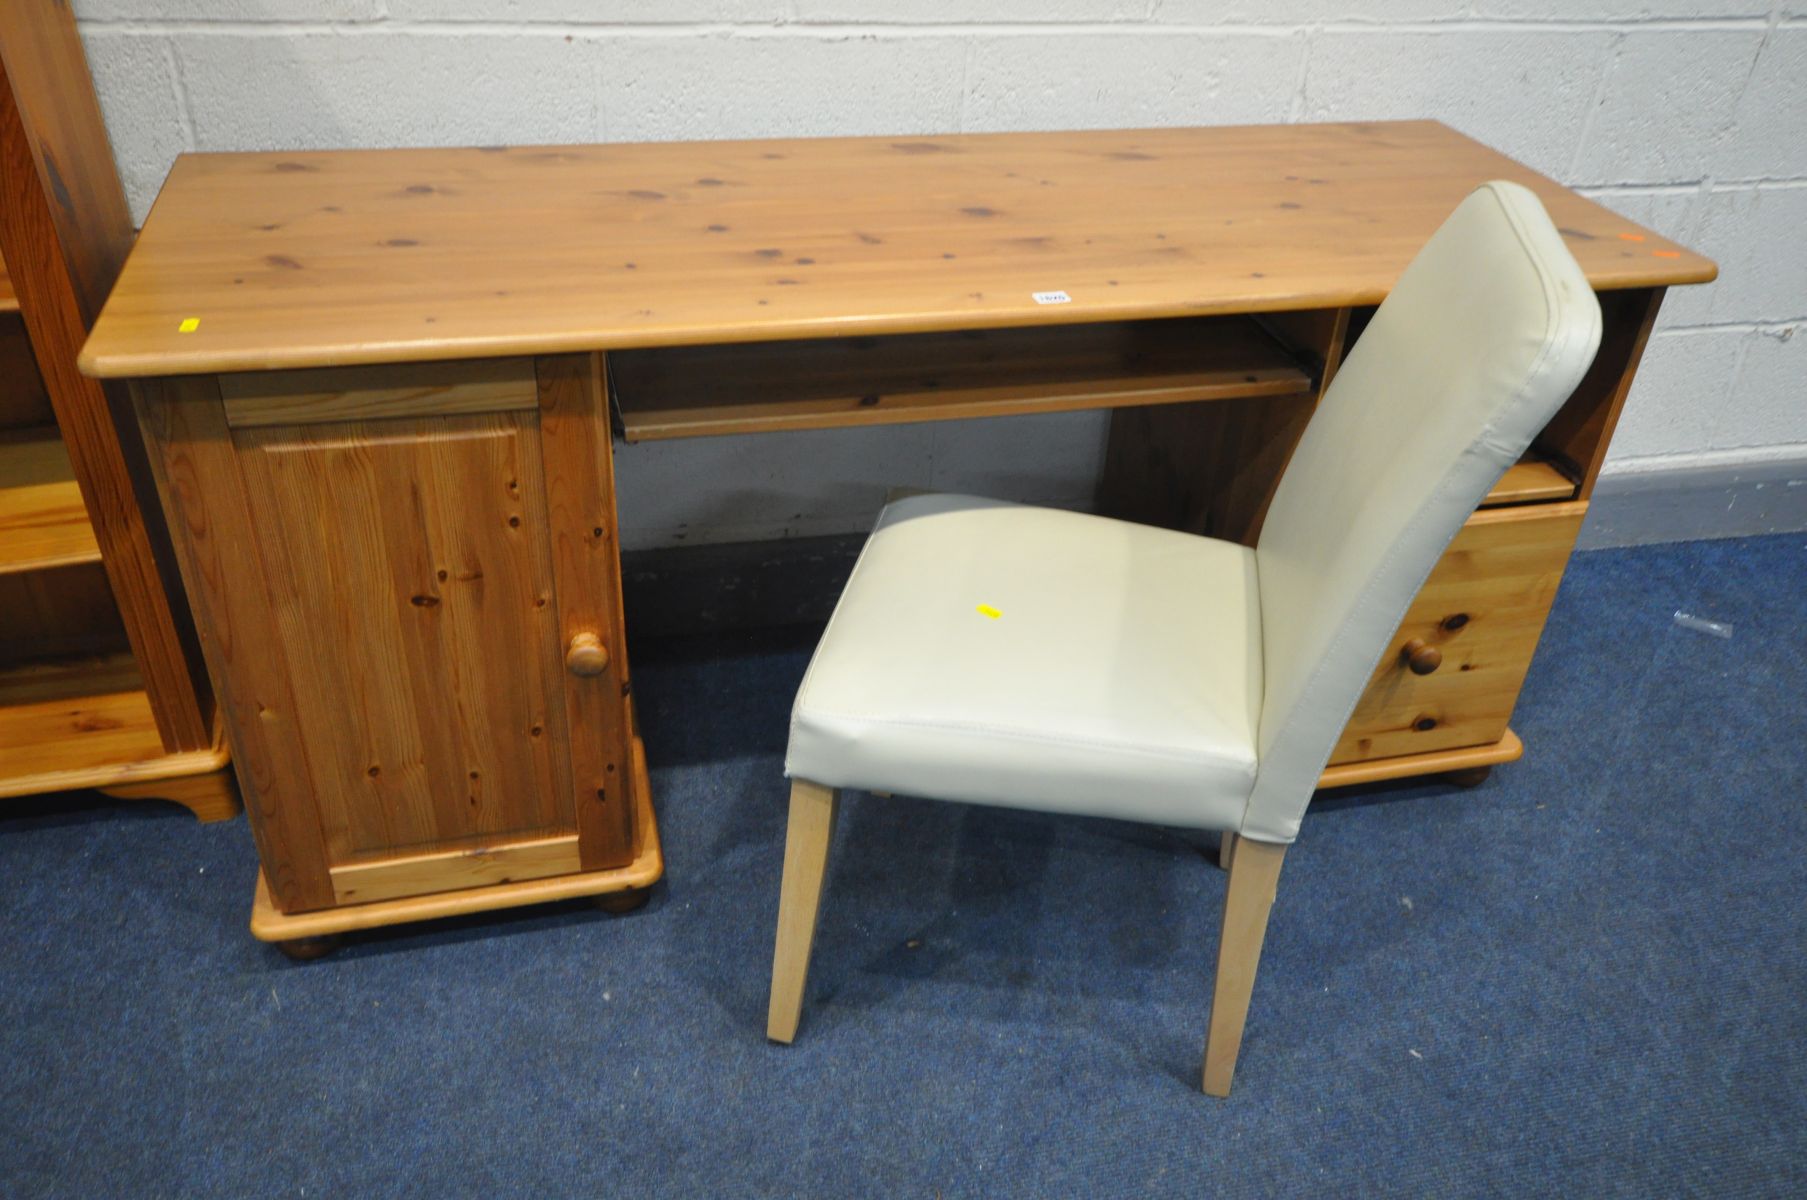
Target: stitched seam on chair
<point x="1027" y="735"/>
<point x="1546" y="354"/>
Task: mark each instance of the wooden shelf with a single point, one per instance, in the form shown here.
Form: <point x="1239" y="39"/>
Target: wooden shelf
<point x="1531" y="479"/>
<point x="43" y="522"/>
<point x="140" y="726"/>
<point x="85" y="723"/>
<point x="831" y="382"/>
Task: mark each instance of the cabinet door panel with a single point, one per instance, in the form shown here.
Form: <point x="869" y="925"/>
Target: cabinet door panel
<point x="390" y="576"/>
<point x="408" y="561"/>
<point x="451" y="870"/>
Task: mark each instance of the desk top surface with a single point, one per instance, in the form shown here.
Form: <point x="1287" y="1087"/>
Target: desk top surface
<point x="314" y="258"/>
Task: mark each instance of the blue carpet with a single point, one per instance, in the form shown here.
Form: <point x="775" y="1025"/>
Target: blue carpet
<point x="1584" y="978"/>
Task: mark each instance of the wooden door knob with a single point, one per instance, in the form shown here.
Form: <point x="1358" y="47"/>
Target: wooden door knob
<point x="1421" y="656"/>
<point x="586" y="655"/>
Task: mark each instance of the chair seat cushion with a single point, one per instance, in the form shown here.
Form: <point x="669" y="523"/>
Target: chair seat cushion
<point x="1003" y="654"/>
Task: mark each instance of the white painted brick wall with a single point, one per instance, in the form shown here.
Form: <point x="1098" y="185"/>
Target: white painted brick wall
<point x="1475" y="80"/>
<point x="1128" y="78"/>
<point x="1689" y="116"/>
<point x="257" y="92"/>
<point x="722" y="85"/>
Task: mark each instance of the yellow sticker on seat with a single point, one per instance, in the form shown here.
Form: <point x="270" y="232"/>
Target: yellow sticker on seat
<point x="986" y="610"/>
<point x="189" y="325"/>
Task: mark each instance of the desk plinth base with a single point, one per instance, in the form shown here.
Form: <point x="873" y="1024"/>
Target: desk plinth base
<point x="1437" y="762"/>
<point x="269" y="924"/>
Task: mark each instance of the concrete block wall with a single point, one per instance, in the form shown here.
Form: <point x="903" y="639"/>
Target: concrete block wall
<point x="1689" y="116"/>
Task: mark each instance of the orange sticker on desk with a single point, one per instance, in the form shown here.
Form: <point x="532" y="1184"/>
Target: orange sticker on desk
<point x="1632" y="237"/>
<point x="986" y="610"/>
<point x="189" y="325"/>
<point x="1667" y="253"/>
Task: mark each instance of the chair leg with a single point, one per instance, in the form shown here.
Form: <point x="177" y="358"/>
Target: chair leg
<point x="1254" y="874"/>
<point x="800" y="897"/>
<point x="1226" y="848"/>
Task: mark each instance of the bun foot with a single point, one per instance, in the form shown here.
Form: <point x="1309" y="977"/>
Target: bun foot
<point x="1471" y="777"/>
<point x="306" y="949"/>
<point x="627" y="901"/>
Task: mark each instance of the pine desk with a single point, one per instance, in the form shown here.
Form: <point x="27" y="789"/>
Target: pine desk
<point x="378" y="390"/>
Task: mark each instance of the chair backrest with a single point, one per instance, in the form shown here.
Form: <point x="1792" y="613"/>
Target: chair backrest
<point x="1486" y="333"/>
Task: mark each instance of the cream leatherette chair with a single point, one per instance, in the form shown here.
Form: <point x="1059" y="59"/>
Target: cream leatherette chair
<point x="1000" y="654"/>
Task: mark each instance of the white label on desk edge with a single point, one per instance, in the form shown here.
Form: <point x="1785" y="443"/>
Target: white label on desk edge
<point x="1052" y="297"/>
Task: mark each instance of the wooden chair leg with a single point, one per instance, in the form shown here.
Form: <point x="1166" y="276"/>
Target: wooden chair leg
<point x="805" y="865"/>
<point x="1226" y="848"/>
<point x="1254" y="875"/>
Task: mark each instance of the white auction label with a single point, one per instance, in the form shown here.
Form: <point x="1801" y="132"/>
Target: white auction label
<point x="1052" y="297"/>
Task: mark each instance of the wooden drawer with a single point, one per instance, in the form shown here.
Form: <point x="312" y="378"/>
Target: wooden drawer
<point x="1482" y="609"/>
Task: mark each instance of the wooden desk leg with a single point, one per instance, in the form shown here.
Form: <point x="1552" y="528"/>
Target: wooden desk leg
<point x="210" y="797"/>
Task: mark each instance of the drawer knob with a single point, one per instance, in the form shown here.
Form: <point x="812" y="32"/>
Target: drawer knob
<point x="1421" y="656"/>
<point x="586" y="655"/>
